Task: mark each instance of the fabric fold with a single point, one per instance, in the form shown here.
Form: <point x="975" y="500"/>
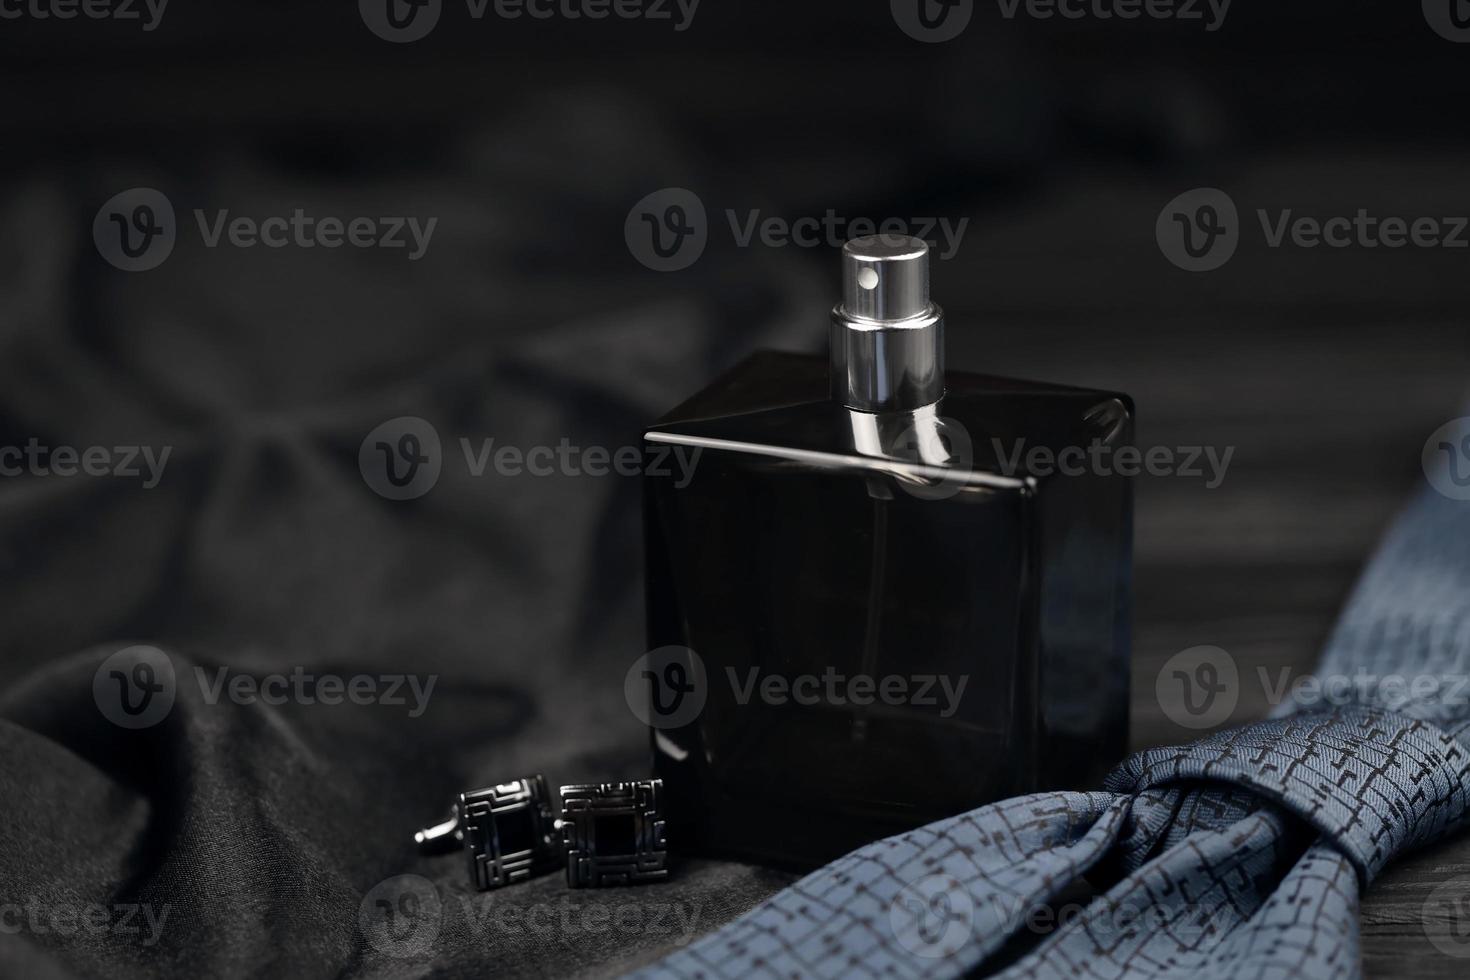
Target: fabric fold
<point x="1236" y="857"/>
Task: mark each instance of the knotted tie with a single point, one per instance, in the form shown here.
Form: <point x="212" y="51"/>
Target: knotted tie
<point x="1240" y="856"/>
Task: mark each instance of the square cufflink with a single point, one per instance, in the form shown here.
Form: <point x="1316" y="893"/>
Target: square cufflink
<point x="614" y="833"/>
<point x="508" y="832"/>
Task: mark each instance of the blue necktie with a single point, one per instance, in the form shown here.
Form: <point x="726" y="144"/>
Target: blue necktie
<point x="1240" y="856"/>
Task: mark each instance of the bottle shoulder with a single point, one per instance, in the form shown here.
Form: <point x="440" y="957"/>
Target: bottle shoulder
<point x="775" y="399"/>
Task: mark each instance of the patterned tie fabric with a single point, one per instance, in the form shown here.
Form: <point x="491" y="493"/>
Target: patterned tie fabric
<point x="1240" y="856"/>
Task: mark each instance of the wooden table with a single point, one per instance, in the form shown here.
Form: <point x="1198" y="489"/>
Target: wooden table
<point x="1326" y="371"/>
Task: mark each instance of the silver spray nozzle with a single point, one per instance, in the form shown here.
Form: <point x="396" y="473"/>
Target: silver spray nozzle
<point x="887" y="337"/>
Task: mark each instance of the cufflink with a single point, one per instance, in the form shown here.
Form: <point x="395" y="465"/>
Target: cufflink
<point x="508" y="832"/>
<point x="613" y="833"/>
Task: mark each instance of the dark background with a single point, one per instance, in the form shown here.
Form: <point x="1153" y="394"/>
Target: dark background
<point x="529" y="320"/>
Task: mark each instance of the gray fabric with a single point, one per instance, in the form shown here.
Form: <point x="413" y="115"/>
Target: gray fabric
<point x="261" y="828"/>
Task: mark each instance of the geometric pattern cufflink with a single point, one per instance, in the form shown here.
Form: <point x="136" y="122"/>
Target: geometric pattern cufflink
<point x="508" y="832"/>
<point x="613" y="833"/>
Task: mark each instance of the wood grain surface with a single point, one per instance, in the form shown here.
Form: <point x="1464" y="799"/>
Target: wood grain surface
<point x="1325" y="373"/>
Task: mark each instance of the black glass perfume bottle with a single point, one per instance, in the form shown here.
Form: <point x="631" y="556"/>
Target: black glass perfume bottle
<point x="872" y="603"/>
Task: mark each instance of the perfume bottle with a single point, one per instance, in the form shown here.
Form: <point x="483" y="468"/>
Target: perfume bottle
<point x="872" y="600"/>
